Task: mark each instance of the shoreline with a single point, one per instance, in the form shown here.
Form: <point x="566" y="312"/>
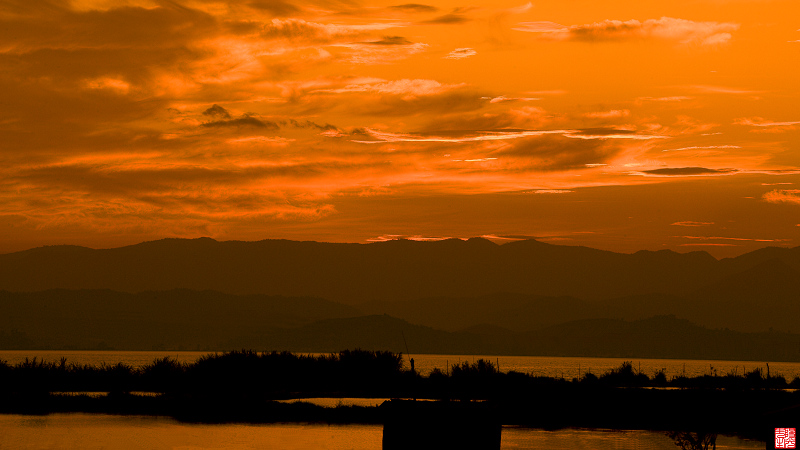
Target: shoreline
<point x="745" y="414"/>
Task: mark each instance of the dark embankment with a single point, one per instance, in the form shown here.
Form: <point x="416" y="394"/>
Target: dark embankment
<point x="243" y="387"/>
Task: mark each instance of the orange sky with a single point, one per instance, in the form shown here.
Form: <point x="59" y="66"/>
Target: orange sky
<point x="621" y="125"/>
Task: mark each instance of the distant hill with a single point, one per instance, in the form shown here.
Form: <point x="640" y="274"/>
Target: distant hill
<point x="516" y="312"/>
<point x="663" y="337"/>
<point x="175" y="319"/>
<point x="216" y="322"/>
<point x="358" y="273"/>
<point x="450" y="285"/>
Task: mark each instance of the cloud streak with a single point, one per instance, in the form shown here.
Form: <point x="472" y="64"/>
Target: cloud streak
<point x="790" y="196"/>
<point x="688" y="172"/>
<point x="461" y="53"/>
<point x="665" y="28"/>
<point x="765" y="125"/>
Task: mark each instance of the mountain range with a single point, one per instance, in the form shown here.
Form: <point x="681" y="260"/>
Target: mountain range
<point x="468" y="295"/>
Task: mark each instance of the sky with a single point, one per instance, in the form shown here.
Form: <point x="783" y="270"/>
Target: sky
<point x="622" y="125"/>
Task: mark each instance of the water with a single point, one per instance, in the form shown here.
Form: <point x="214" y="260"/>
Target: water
<point x="547" y="366"/>
<point x="99" y="431"/>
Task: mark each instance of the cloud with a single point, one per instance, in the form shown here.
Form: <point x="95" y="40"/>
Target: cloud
<point x="503" y="99"/>
<point x="244" y="121"/>
<point x="461" y="53"/>
<point x="688" y="171"/>
<point x="56" y="26"/>
<point x="387" y="50"/>
<point x="299" y="29"/>
<point x="553" y="153"/>
<point x="613" y="114"/>
<point x="767" y="125"/>
<point x="415" y="237"/>
<point x="506" y="119"/>
<point x="706" y="244"/>
<point x="600" y="134"/>
<point x="700" y="148"/>
<point x="415" y="7"/>
<point x="113" y="84"/>
<point x="408" y="88"/>
<point x="612" y="133"/>
<point x="503" y="237"/>
<point x="678" y="98"/>
<point x="217" y="112"/>
<point x="278" y="8"/>
<point x="552" y="191"/>
<point x="391" y="40"/>
<point x="723" y="90"/>
<point x="689" y="223"/>
<point x="455" y="17"/>
<point x="724" y="238"/>
<point x="380" y="136"/>
<point x="520" y="9"/>
<point x="791" y="196"/>
<point x="666" y="28"/>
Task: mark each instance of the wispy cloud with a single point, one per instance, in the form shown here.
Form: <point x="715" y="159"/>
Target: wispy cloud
<point x="677" y="98"/>
<point x="707" y="244"/>
<point x="552" y="191"/>
<point x="612" y="114"/>
<point x="667" y="28"/>
<point x="415" y="237"/>
<point x="767" y="125"/>
<point x="791" y="196"/>
<point x="415" y="7"/>
<point x="702" y="147"/>
<point x="724" y="238"/>
<point x="689" y="223"/>
<point x="381" y="137"/>
<point x="461" y="53"/>
<point x="301" y="29"/>
<point x="687" y="172"/>
<point x="503" y="98"/>
<point x="723" y="90"/>
<point x="406" y="87"/>
<point x="520" y="9"/>
<point x="457" y="16"/>
<point x="500" y="135"/>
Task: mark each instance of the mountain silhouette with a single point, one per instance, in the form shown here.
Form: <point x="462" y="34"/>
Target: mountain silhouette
<point x="446" y="296"/>
<point x="359" y="273"/>
<point x="175" y="319"/>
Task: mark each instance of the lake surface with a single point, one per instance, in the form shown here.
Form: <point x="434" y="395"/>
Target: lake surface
<point x="547" y="366"/>
<point x="100" y="431"/>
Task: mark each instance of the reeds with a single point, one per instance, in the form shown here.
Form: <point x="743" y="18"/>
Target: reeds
<point x="279" y="375"/>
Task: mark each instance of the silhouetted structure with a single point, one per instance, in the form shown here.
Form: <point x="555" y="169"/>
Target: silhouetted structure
<point x="412" y="424"/>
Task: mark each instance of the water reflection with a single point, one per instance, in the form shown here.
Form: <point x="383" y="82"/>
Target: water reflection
<point x="88" y="431"/>
<point x="593" y="439"/>
<point x="688" y="440"/>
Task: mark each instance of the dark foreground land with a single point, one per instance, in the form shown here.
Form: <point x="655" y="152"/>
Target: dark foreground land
<point x="242" y="386"/>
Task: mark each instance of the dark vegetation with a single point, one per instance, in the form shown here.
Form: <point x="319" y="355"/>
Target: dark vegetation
<point x="350" y="373"/>
<point x="242" y="386"/>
